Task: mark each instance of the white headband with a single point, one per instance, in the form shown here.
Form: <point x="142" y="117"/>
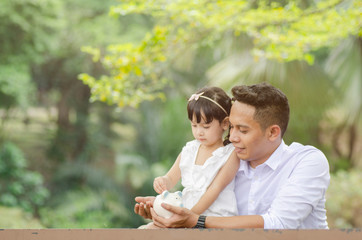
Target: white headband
<point x="196" y="97"/>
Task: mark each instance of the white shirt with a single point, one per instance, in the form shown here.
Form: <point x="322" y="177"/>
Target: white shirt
<point x="288" y="190"/>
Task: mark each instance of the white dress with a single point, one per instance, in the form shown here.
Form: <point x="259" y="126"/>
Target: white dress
<point x="196" y="179"/>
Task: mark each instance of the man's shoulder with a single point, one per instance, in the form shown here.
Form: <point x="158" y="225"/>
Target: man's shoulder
<point x="299" y="152"/>
<point x="298" y="148"/>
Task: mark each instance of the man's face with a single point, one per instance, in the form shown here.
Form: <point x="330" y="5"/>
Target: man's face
<point x="250" y="141"/>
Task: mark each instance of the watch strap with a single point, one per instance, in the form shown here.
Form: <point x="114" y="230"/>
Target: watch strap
<point x="200" y="222"/>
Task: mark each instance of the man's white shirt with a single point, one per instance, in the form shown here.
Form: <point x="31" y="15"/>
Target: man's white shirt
<point x="288" y="190"/>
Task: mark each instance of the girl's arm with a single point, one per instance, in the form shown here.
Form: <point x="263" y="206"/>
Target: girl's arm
<point x="222" y="179"/>
<point x="168" y="181"/>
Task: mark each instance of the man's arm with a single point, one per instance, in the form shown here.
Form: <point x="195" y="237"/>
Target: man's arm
<point x="303" y="192"/>
<point x="247" y="221"/>
<point x="184" y="218"/>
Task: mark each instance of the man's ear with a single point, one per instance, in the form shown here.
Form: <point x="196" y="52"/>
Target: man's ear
<point x="273" y="132"/>
<point x="225" y="123"/>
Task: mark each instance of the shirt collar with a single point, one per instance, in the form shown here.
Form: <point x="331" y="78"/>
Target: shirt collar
<point x="244" y="168"/>
<point x="273" y="161"/>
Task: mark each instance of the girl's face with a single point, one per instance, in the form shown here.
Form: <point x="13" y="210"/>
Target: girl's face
<point x="209" y="134"/>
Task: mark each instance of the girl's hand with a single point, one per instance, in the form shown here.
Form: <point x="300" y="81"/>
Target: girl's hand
<point x="160" y="184"/>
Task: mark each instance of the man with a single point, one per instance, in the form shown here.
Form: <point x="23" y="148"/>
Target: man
<point x="277" y="186"/>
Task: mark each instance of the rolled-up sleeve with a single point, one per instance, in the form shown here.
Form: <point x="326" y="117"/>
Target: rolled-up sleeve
<point x="301" y="195"/>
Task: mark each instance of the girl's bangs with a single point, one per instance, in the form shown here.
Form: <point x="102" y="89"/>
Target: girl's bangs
<point x="202" y="110"/>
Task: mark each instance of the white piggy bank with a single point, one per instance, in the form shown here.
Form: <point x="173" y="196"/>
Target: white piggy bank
<point x="174" y="199"/>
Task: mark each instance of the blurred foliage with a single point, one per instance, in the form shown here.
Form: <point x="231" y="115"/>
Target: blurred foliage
<point x="162" y="130"/>
<point x="27" y="29"/>
<point x="86" y="208"/>
<point x="57" y="83"/>
<point x="11" y="217"/>
<point x="282" y="30"/>
<point x="16" y="92"/>
<point x="19" y="186"/>
<point x="131" y="86"/>
<point x="344" y="67"/>
<point x="344" y="205"/>
<point x="26" y="32"/>
<point x="16" y="88"/>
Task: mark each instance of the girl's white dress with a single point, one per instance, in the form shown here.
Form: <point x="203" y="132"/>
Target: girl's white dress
<point x="196" y="179"/>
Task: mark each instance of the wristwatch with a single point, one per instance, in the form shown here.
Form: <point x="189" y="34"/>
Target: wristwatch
<point x="200" y="222"/>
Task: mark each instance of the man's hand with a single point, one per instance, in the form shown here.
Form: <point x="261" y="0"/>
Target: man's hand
<point x="182" y="218"/>
<point x="143" y="206"/>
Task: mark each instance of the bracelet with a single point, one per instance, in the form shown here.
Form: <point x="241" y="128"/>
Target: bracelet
<point x="200" y="222"/>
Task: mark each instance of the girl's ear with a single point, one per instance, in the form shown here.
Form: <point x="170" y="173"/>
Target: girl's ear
<point x="225" y="123"/>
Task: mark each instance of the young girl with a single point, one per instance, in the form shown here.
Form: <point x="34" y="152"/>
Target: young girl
<point x="206" y="165"/>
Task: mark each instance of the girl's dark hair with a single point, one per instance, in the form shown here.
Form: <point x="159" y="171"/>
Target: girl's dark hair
<point x="209" y="110"/>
